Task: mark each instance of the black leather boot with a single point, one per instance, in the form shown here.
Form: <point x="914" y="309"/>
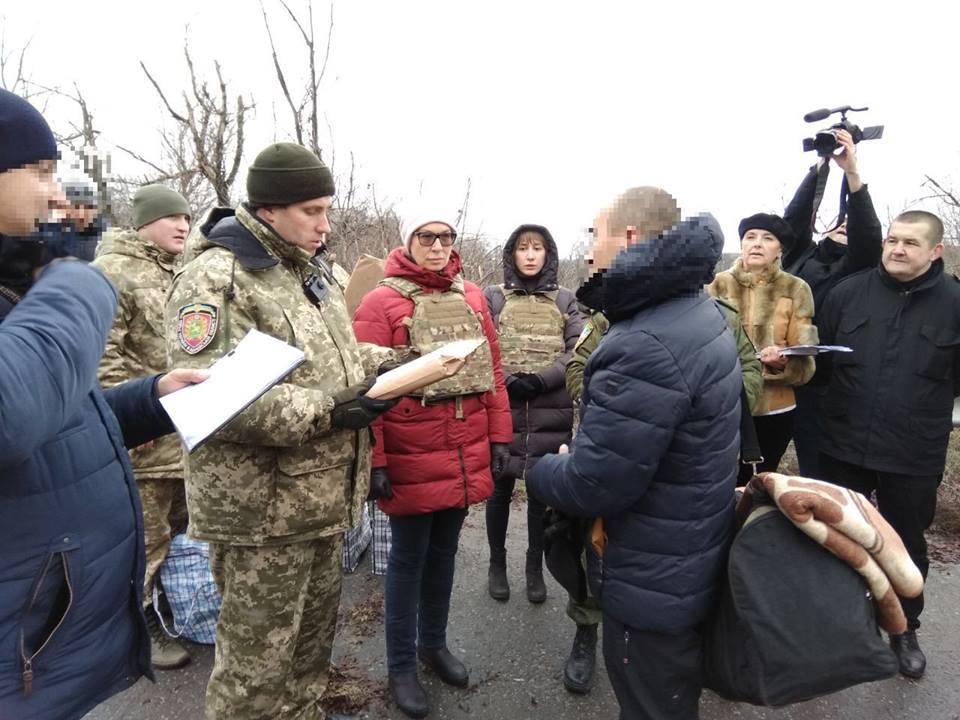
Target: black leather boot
<point x="536" y="589"/>
<point x="911" y="657"/>
<point x="446" y="666"/>
<point x="578" y="672"/>
<point x="408" y="694"/>
<point x="497" y="584"/>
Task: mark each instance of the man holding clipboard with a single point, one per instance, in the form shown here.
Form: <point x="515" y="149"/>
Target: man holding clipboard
<point x="275" y="488"/>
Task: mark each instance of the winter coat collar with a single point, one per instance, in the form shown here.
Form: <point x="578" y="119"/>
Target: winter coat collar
<point x="254" y="243"/>
<point x="543" y="282"/>
<point x="748" y="278"/>
<point x="926" y="281"/>
<point x="400" y="264"/>
<point x="677" y="261"/>
<point x="130" y="244"/>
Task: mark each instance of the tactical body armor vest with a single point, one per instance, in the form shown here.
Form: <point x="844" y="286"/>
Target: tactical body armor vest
<point x="438" y="319"/>
<point x="531" y="331"/>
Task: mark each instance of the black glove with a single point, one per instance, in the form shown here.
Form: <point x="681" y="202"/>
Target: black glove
<point x="387" y="367"/>
<point x="525" y="386"/>
<point x="380" y="485"/>
<point x="499" y="454"/>
<point x="352" y="410"/>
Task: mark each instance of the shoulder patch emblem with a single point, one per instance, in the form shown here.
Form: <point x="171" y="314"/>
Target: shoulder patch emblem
<point x="196" y="326"/>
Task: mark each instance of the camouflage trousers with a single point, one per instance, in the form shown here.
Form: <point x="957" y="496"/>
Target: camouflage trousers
<point x="276" y="628"/>
<point x="164" y="515"/>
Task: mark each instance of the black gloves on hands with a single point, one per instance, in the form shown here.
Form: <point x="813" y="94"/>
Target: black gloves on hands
<point x="525" y="386"/>
<point x="380" y="485"/>
<point x="499" y="454"/>
<point x="352" y="410"/>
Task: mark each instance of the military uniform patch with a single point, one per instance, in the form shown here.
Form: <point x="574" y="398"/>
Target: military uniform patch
<point x="196" y="326"/>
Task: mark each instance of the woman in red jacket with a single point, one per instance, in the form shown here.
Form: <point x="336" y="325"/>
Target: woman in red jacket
<point x="433" y="453"/>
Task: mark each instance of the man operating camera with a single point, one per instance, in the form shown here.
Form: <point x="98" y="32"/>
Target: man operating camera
<point x="853" y="244"/>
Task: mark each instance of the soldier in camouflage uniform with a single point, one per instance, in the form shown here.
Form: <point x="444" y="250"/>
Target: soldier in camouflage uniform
<point x="140" y="264"/>
<point x="274" y="490"/>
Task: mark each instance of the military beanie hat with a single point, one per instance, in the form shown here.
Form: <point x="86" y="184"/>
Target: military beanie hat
<point x="25" y="137"/>
<point x="286" y="173"/>
<point x="773" y="224"/>
<point x="152" y="202"/>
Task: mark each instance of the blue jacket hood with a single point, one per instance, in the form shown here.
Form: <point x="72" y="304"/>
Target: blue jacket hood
<point x="679" y="260"/>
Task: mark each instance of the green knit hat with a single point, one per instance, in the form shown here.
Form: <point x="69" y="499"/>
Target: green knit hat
<point x="153" y="202"/>
<point x="286" y="173"/>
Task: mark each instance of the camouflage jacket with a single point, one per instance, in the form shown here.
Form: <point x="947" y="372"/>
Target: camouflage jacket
<point x="598" y="325"/>
<point x="142" y="274"/>
<point x="277" y="472"/>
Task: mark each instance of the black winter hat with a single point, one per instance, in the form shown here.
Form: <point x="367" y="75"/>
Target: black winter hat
<point x="25" y="137"/>
<point x="771" y="223"/>
<point x="286" y="173"/>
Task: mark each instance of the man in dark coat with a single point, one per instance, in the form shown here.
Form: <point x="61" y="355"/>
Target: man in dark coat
<point x="886" y="416"/>
<point x="71" y="541"/>
<point x="853" y="245"/>
<point x="656" y="453"/>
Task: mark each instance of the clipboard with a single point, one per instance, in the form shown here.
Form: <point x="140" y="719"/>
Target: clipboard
<point x="237" y="380"/>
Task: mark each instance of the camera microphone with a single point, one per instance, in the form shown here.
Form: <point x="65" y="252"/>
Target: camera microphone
<point x="817" y="115"/>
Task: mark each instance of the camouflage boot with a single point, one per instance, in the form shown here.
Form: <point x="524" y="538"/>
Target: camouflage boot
<point x="165" y="652"/>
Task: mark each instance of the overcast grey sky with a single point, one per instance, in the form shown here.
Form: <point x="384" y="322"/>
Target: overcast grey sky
<point x="550" y="108"/>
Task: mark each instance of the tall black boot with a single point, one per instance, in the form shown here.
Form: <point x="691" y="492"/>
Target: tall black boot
<point x="536" y="589"/>
<point x="578" y="672"/>
<point x="913" y="662"/>
<point x="497" y="583"/>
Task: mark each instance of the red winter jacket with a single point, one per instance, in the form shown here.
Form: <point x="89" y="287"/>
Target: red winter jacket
<point x="435" y="461"/>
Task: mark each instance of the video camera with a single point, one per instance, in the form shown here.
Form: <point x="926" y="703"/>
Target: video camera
<point x="825" y="141"/>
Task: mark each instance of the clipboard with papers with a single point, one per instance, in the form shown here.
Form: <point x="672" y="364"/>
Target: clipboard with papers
<point x="236" y="381"/>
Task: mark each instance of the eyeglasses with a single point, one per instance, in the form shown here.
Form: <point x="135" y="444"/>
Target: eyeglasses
<point x="427" y="239"/>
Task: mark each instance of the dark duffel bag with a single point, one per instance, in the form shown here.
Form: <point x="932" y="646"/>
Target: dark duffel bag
<point x="792" y="621"/>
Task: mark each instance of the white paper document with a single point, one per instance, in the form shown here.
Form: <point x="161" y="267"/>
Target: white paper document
<point x="813" y="349"/>
<point x="255" y="365"/>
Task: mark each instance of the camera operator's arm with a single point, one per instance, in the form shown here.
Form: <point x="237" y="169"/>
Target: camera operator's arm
<point x="799" y="215"/>
<point x="864" y="232"/>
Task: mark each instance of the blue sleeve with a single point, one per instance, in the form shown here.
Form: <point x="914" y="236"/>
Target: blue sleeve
<point x="637" y="398"/>
<point x="138" y="410"/>
<point x="50" y="346"/>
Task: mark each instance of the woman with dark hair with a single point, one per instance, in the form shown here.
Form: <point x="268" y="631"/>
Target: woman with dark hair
<point x="538" y="323"/>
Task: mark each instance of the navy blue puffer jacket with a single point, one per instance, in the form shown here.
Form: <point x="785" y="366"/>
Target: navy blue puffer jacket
<point x="656" y="453"/>
<point x="71" y="536"/>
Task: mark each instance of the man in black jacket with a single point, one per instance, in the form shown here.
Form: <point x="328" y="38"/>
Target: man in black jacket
<point x="854" y="244"/>
<point x="886" y="416"/>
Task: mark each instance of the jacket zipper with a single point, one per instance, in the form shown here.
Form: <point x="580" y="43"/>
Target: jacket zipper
<point x="28" y="661"/>
<point x="626" y="646"/>
<point x="463" y="474"/>
<point x="526" y="439"/>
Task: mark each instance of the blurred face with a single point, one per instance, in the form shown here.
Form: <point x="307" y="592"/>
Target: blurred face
<point x="167" y="233"/>
<point x="529" y="256"/>
<point x="436" y="256"/>
<point x="908" y="251"/>
<point x="81" y="216"/>
<point x="759" y="249"/>
<point x="304" y="224"/>
<point x="839" y="233"/>
<point x="605" y="246"/>
<point x="27" y="197"/>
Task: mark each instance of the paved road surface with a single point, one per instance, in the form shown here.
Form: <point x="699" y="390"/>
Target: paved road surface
<point x="516" y="653"/>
